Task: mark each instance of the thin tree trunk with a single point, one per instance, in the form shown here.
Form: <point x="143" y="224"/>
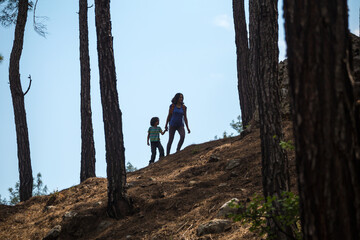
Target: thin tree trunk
<point x="245" y="89"/>
<point x="254" y="38"/>
<point x="274" y="159"/>
<point x="25" y="171"/>
<point x="326" y="126"/>
<point x="87" y="133"/>
<point x="118" y="203"/>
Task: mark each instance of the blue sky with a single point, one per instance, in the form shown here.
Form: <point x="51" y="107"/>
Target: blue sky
<point x="161" y="47"/>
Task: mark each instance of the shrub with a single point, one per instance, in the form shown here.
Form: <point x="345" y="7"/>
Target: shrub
<point x="256" y="213"/>
<point x="130" y="167"/>
<point x="14" y="198"/>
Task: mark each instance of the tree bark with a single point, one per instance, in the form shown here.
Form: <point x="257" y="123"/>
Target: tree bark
<point x="254" y="38"/>
<point x="245" y="88"/>
<point x="326" y="126"/>
<point x="118" y="203"/>
<point x="23" y="146"/>
<point x="274" y="159"/>
<point x="87" y="133"/>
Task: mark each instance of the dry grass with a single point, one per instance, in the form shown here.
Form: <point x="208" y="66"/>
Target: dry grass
<point x="171" y="198"/>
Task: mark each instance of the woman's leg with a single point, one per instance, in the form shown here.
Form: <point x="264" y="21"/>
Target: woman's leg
<point x="181" y="131"/>
<point x="171" y="139"/>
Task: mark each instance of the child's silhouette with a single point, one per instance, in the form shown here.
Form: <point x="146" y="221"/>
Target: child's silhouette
<point x="154" y="138"/>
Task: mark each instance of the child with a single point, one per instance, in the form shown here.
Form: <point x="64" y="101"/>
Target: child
<point x="154" y="137"/>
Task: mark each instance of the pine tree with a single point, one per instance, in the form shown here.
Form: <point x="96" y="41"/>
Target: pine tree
<point x="326" y="118"/>
<point x="118" y="202"/>
<point x="87" y="134"/>
<point x="245" y="87"/>
<point x="25" y="170"/>
<point x="275" y="172"/>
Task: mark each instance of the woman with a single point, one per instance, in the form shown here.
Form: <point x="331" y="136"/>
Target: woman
<point x="176" y="118"/>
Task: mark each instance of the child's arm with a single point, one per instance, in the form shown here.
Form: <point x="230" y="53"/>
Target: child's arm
<point x="163" y="132"/>
<point x="148" y="137"/>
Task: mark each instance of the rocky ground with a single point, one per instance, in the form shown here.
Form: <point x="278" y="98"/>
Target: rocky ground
<point x="175" y="198"/>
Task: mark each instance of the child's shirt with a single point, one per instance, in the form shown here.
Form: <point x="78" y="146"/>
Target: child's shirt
<point x="154" y="134"/>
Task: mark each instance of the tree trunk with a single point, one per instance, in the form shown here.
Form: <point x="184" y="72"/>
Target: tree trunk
<point x="245" y="88"/>
<point x="254" y="38"/>
<point x="118" y="203"/>
<point x="274" y="159"/>
<point x="326" y="127"/>
<point x="87" y="135"/>
<point x="25" y="171"/>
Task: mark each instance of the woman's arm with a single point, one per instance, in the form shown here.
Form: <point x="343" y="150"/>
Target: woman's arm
<point x="168" y="119"/>
<point x="186" y="120"/>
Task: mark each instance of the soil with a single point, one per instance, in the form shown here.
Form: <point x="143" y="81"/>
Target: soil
<point x="171" y="197"/>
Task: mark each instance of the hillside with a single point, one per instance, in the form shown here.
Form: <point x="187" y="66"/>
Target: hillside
<point x="172" y="197"/>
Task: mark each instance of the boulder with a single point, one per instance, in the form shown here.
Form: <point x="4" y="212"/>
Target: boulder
<point x="53" y="233"/>
<point x="214" y="226"/>
<point x="232" y="164"/>
<point x="226" y="210"/>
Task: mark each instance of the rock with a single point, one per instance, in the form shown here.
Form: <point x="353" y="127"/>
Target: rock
<point x="214" y="226"/>
<point x="226" y="209"/>
<point x="192" y="183"/>
<point x="214" y="158"/>
<point x="53" y="233"/>
<point x="70" y="214"/>
<point x="77" y="226"/>
<point x="104" y="225"/>
<point x="49" y="208"/>
<point x="130" y="185"/>
<point x="233" y="164"/>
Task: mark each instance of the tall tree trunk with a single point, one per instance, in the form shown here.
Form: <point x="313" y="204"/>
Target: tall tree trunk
<point x="254" y="38"/>
<point x="87" y="133"/>
<point x="245" y="88"/>
<point x="118" y="203"/>
<point x="274" y="159"/>
<point x="25" y="171"/>
<point x="326" y="127"/>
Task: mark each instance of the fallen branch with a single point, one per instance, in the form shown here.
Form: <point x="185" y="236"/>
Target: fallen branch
<point x="182" y="226"/>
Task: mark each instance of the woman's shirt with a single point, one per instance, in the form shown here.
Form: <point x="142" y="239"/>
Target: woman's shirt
<point x="177" y="117"/>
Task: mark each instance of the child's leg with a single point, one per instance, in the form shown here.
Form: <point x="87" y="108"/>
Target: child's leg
<point x="171" y="139"/>
<point x="161" y="150"/>
<point x="153" y="152"/>
<point x="181" y="131"/>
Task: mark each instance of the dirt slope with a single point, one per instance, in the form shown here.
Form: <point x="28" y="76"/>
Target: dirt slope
<point x="171" y="197"/>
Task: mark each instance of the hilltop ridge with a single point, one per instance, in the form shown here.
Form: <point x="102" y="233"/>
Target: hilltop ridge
<point x="172" y="197"/>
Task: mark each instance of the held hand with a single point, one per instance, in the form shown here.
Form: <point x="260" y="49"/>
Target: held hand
<point x="166" y="128"/>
